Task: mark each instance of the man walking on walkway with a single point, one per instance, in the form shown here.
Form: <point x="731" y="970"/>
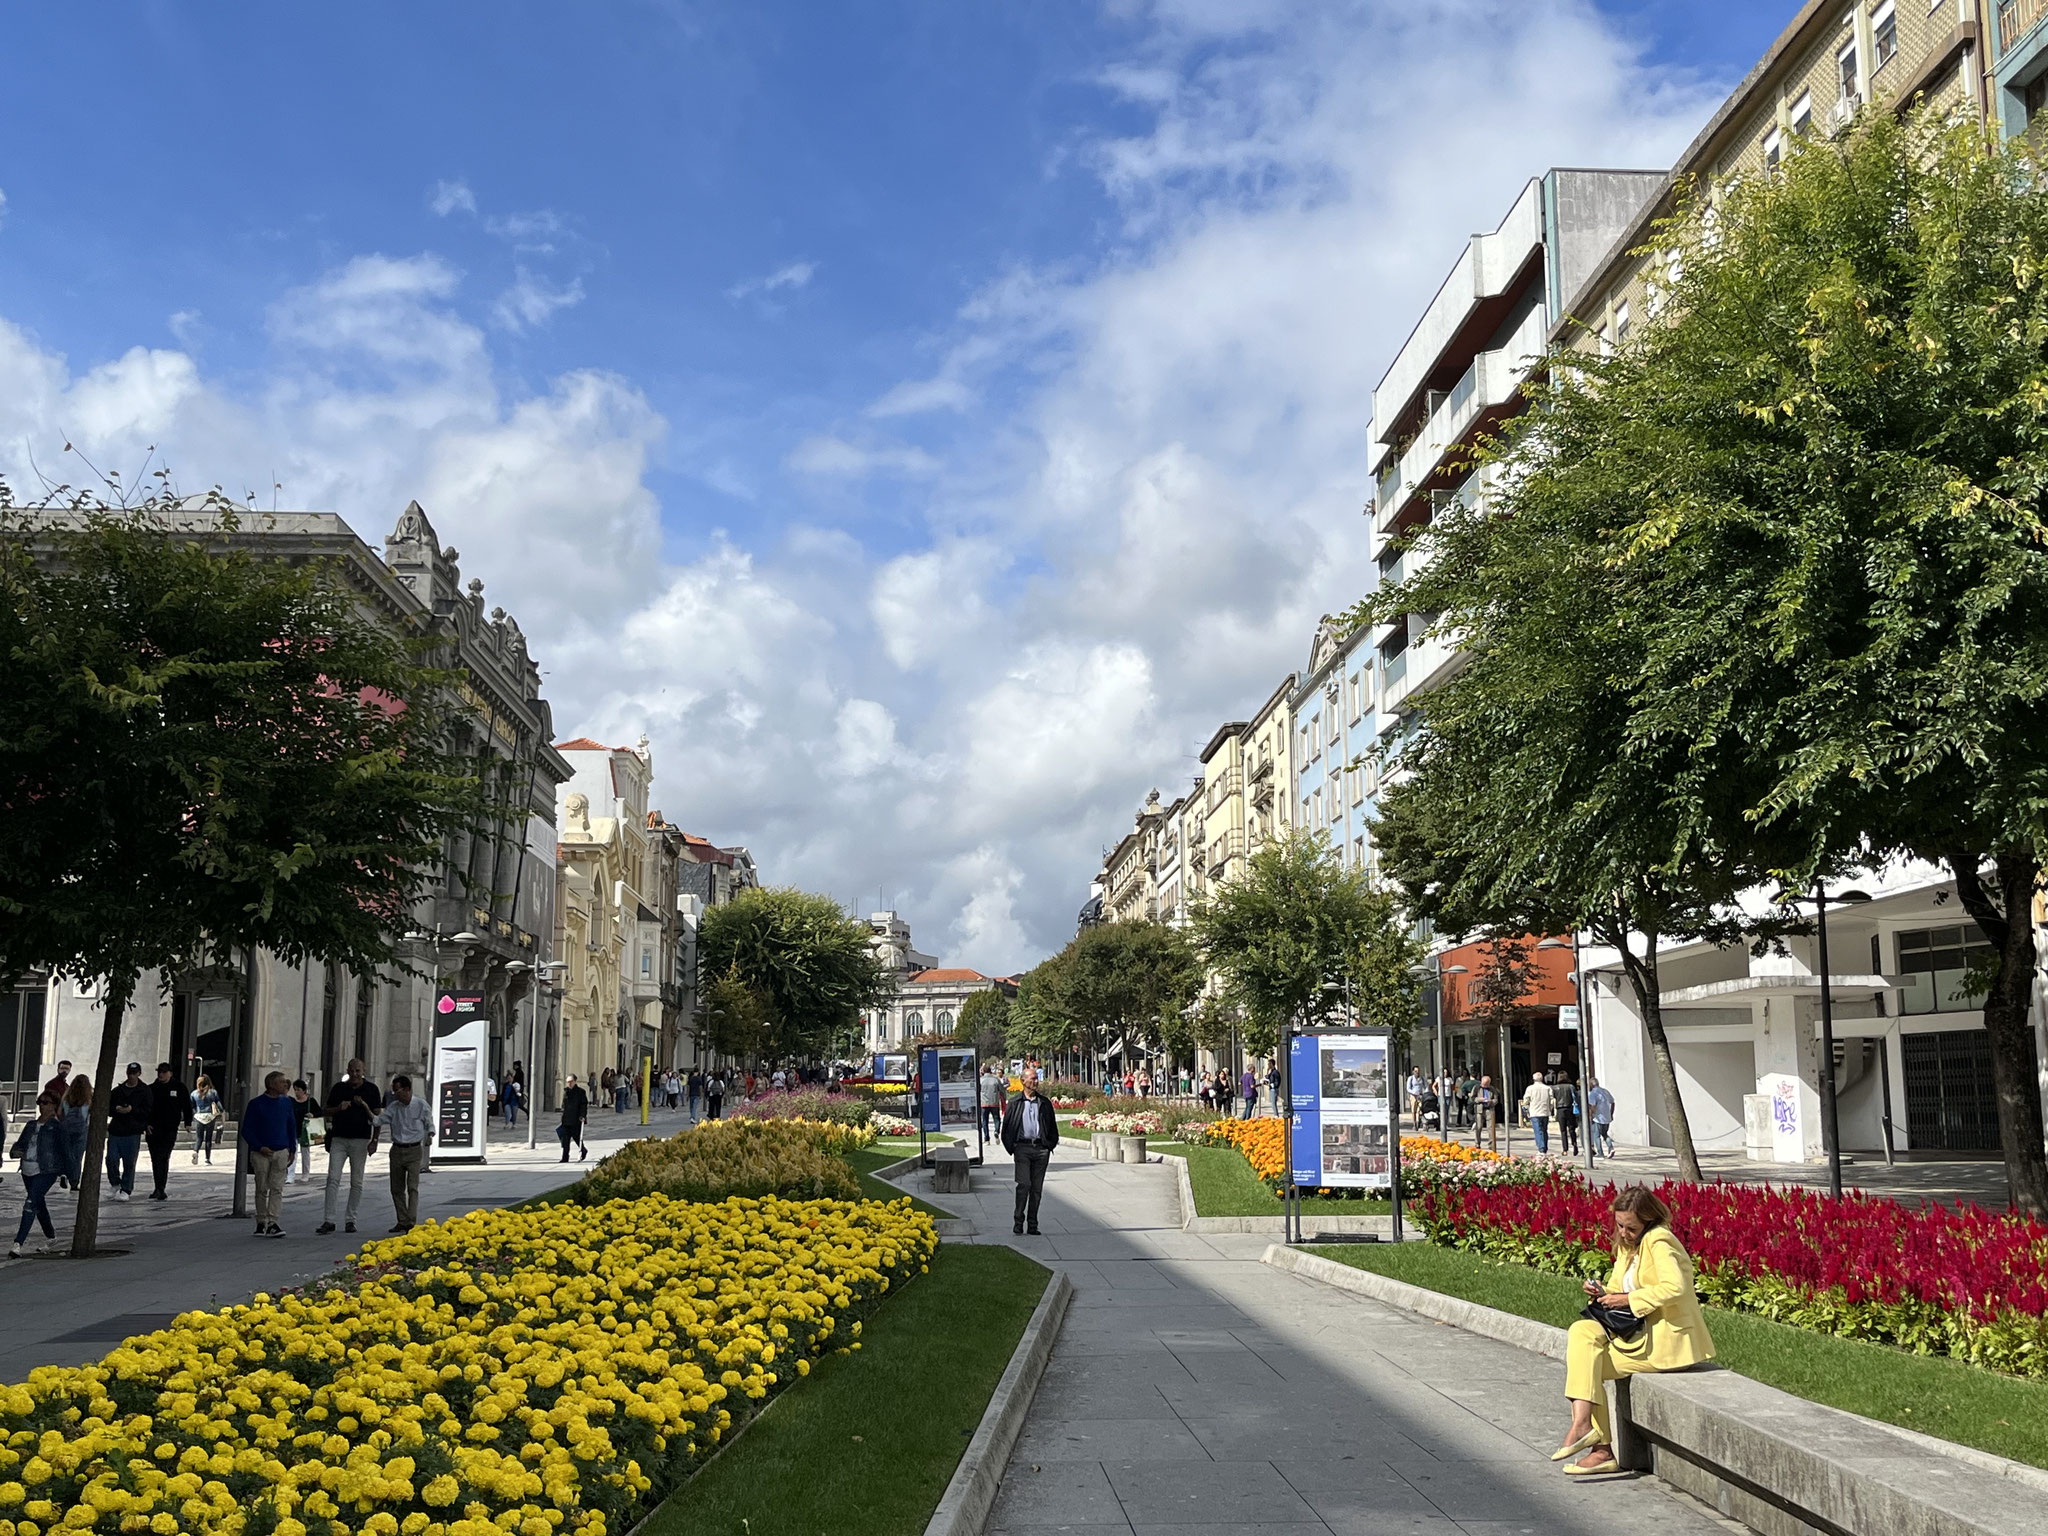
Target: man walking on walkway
<point x="1030" y="1132"/>
<point x="988" y="1090"/>
<point x="575" y="1110"/>
<point x="270" y="1127"/>
<point x="1600" y="1115"/>
<point x="1486" y="1112"/>
<point x="127" y="1121"/>
<point x="1536" y="1103"/>
<point x="352" y="1107"/>
<point x="406" y="1118"/>
<point x="170" y="1111"/>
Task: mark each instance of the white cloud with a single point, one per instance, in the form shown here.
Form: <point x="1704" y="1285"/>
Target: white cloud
<point x="1149" y="492"/>
<point x="452" y="197"/>
<point x="3" y="208"/>
<point x="835" y="458"/>
<point x="185" y="326"/>
<point x="795" y="274"/>
<point x="530" y="301"/>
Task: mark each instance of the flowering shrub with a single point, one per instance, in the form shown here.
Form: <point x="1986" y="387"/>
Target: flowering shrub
<point x="1934" y="1279"/>
<point x="806" y="1104"/>
<point x="1066" y="1103"/>
<point x="1144" y="1122"/>
<point x="799" y="1159"/>
<point x="892" y="1125"/>
<point x="558" y="1369"/>
<point x="1263" y="1141"/>
<point x="1427" y="1162"/>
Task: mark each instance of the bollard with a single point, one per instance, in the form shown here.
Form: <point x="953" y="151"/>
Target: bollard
<point x="1132" y="1148"/>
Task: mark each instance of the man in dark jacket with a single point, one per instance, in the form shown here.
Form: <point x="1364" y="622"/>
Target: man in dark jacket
<point x="1030" y="1131"/>
<point x="170" y="1110"/>
<point x="127" y="1119"/>
<point x="575" y="1110"/>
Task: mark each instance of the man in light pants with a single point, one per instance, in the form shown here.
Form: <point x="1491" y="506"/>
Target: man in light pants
<point x="405" y="1117"/>
<point x="352" y="1105"/>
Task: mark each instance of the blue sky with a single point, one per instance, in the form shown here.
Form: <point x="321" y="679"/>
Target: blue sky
<point x="924" y="420"/>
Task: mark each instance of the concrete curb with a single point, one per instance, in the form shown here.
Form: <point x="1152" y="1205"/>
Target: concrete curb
<point x="1191" y="1221"/>
<point x="1522" y="1332"/>
<point x="1660" y="1403"/>
<point x="971" y="1495"/>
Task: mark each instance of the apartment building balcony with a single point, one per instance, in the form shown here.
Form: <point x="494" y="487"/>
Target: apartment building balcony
<point x="1262" y="791"/>
<point x="1480" y="398"/>
<point x="2016" y="18"/>
<point x="1426" y="663"/>
<point x="1262" y="767"/>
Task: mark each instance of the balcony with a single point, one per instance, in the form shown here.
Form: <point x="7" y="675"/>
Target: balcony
<point x="1263" y="767"/>
<point x="2016" y="18"/>
<point x="1262" y="792"/>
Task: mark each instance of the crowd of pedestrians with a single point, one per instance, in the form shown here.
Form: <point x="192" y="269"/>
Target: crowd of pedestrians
<point x="1553" y="1106"/>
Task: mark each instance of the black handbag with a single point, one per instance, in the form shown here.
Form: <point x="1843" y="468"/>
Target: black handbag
<point x="1619" y="1322"/>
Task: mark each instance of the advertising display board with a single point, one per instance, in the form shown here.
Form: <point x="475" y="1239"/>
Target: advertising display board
<point x="892" y="1067"/>
<point x="459" y="1092"/>
<point x="928" y="1088"/>
<point x="959" y="1065"/>
<point x="1343" y="1114"/>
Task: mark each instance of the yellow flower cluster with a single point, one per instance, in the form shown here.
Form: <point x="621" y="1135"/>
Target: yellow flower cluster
<point x="510" y="1373"/>
<point x="797" y="1159"/>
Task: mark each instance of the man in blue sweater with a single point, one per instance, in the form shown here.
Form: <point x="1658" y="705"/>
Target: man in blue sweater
<point x="270" y="1128"/>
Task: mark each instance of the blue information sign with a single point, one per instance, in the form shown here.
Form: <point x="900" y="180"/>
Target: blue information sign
<point x="1343" y="1127"/>
<point x="928" y="1086"/>
<point x="1305" y="1130"/>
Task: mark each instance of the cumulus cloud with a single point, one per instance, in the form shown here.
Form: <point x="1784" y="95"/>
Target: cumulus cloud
<point x="1144" y="489"/>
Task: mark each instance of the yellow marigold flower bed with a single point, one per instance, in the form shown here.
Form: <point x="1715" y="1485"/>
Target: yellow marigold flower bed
<point x="509" y="1373"/>
<point x="1263" y="1141"/>
<point x="1417" y="1148"/>
<point x="797" y="1159"/>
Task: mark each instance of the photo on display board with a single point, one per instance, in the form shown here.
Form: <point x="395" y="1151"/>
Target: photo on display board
<point x="1354" y="1072"/>
<point x="1355" y="1149"/>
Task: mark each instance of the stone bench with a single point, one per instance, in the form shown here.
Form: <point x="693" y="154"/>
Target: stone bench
<point x="1782" y="1465"/>
<point x="949" y="1171"/>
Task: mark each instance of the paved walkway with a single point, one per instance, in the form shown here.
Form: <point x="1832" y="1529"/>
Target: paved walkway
<point x="166" y="1257"/>
<point x="1197" y="1391"/>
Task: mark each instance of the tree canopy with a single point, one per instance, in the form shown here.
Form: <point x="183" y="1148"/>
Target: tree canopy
<point x="1115" y="980"/>
<point x="808" y="963"/>
<point x="1298" y="921"/>
<point x="1764" y="592"/>
<point x="202" y="749"/>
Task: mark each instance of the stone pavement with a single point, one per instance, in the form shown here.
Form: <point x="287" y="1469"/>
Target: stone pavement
<point x="1194" y="1390"/>
<point x="167" y="1257"/>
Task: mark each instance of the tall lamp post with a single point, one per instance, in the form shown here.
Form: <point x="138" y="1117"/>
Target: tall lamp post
<point x="1830" y="1122"/>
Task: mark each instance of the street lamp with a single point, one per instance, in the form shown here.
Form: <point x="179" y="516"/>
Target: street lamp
<point x="1830" y="1125"/>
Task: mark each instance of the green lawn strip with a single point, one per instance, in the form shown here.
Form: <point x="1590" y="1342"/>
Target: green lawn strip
<point x="867" y="1160"/>
<point x="1226" y="1186"/>
<point x="865" y="1445"/>
<point x="2006" y="1415"/>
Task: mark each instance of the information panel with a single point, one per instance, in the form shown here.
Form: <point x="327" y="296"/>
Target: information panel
<point x="462" y="1037"/>
<point x="892" y="1067"/>
<point x="928" y="1087"/>
<point x="1342" y="1114"/>
<point x="959" y="1065"/>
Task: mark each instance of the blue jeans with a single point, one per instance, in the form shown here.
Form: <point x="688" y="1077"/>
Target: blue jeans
<point x="35" y="1208"/>
<point x="121" y="1154"/>
<point x="1540" y="1124"/>
<point x="1603" y="1136"/>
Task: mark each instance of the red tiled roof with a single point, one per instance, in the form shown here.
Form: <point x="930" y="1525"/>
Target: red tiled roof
<point x="705" y="851"/>
<point x="945" y="975"/>
<point x="581" y="744"/>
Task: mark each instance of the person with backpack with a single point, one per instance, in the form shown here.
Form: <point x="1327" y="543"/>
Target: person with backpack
<point x="40" y="1146"/>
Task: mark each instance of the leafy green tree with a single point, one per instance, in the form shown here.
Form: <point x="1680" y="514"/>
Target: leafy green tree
<point x="983" y="1022"/>
<point x="202" y="750"/>
<point x="1039" y="1023"/>
<point x="1121" y="976"/>
<point x="736" y="1020"/>
<point x="1296" y="921"/>
<point x="808" y="962"/>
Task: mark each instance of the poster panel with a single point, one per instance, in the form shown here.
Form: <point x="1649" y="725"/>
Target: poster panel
<point x="459" y="1092"/>
<point x="958" y="1068"/>
<point x="892" y="1067"/>
<point x="928" y="1087"/>
<point x="1343" y="1113"/>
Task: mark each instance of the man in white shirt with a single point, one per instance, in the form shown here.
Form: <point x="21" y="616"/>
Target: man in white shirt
<point x="1536" y="1104"/>
<point x="411" y="1128"/>
<point x="1030" y="1131"/>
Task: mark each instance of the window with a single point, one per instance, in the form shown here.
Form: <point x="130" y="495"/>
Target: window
<point x="1315" y="734"/>
<point x="1774" y="149"/>
<point x="1357" y="697"/>
<point x="942" y="1021"/>
<point x="1884" y="34"/>
<point x="1621" y="323"/>
<point x="1357" y="785"/>
<point x="1306" y="814"/>
<point x="1801" y="113"/>
<point x="1605" y="338"/>
<point x="1936" y="964"/>
<point x="913" y="1023"/>
<point x="1852" y="86"/>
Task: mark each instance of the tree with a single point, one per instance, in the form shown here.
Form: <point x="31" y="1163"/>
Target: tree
<point x="1039" y="1023"/>
<point x="736" y="1018"/>
<point x="1119" y="978"/>
<point x="807" y="961"/>
<point x="203" y="750"/>
<point x="983" y="1022"/>
<point x="1297" y="921"/>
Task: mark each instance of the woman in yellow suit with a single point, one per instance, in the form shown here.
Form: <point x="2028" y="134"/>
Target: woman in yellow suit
<point x="1651" y="1278"/>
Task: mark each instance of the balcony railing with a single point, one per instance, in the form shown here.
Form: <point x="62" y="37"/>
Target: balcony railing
<point x="2016" y="18"/>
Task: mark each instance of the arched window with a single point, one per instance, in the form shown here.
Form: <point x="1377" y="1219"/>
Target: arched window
<point x="913" y="1023"/>
<point x="942" y="1021"/>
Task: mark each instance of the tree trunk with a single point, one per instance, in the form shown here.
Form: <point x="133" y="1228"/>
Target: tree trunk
<point x="1643" y="980"/>
<point x="2008" y="922"/>
<point x="92" y="1177"/>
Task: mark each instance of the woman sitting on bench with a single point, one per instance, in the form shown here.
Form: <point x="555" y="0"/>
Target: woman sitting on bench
<point x="1646" y="1318"/>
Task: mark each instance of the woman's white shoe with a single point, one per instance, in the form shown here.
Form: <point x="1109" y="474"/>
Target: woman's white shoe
<point x="1572" y="1448"/>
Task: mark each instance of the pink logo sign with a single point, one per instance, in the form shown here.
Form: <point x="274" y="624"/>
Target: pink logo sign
<point x="446" y="1005"/>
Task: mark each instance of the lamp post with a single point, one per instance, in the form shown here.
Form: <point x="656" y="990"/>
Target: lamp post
<point x="1830" y="1123"/>
<point x="435" y="940"/>
<point x="1585" y="1041"/>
